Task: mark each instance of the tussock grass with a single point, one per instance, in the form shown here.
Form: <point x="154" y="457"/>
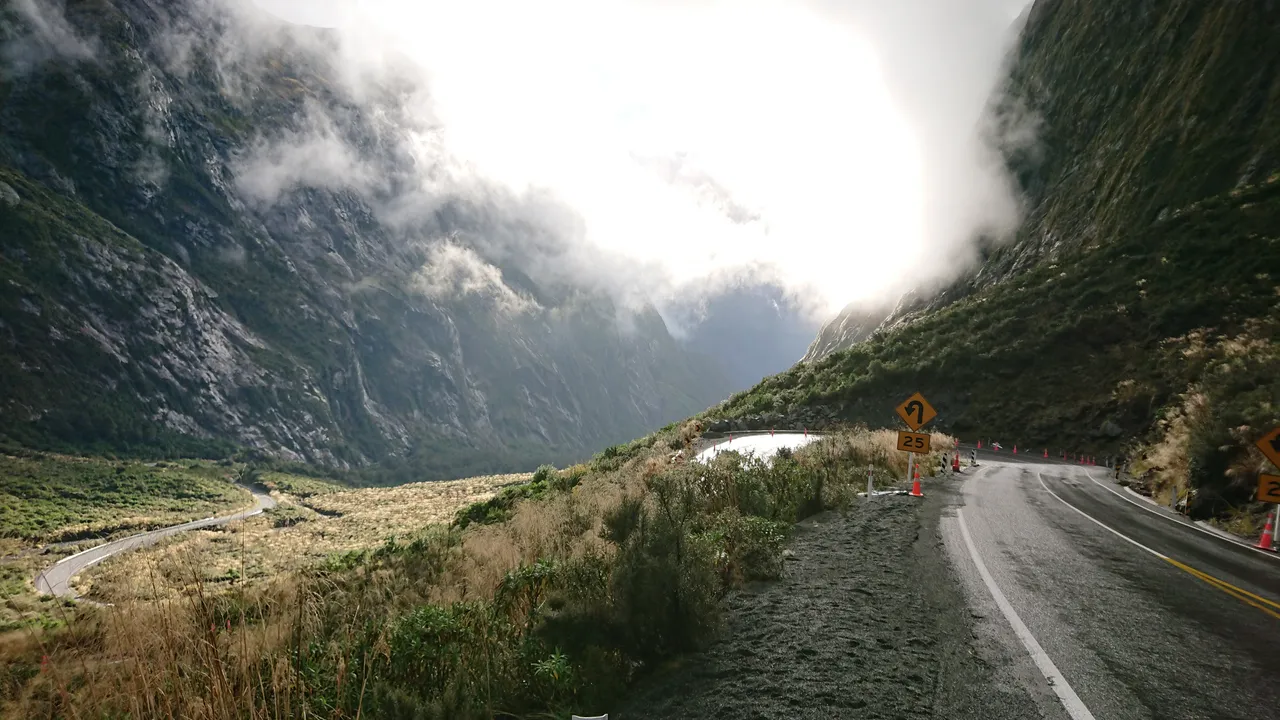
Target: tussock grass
<point x="1202" y="446"/>
<point x="580" y="588"/>
<point x="49" y="498"/>
<point x="328" y="521"/>
<point x="53" y="505"/>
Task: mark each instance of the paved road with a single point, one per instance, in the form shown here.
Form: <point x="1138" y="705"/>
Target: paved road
<point x="56" y="580"/>
<point x="1132" y="612"/>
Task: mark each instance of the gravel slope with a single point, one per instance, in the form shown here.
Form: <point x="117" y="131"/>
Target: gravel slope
<point x="869" y="621"/>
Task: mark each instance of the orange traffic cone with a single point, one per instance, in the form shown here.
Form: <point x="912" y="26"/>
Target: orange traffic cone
<point x="955" y="463"/>
<point x="1046" y="452"/>
<point x="1265" y="542"/>
<point x="1015" y="449"/>
<point x="915" y="485"/>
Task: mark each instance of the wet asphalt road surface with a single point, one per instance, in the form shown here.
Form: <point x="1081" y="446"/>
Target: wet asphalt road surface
<point x="883" y="613"/>
<point x="56" y="580"/>
<point x="1133" y="634"/>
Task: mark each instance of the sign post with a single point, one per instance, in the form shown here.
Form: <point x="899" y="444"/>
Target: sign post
<point x="1269" y="485"/>
<point x="916" y="412"/>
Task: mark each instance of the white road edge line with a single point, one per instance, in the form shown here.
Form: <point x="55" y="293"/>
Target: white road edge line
<point x="1074" y="706"/>
<point x="1099" y="523"/>
<point x="1157" y="513"/>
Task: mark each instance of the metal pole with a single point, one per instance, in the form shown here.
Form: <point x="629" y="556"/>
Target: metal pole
<point x="911" y="461"/>
<point x="870" y="486"/>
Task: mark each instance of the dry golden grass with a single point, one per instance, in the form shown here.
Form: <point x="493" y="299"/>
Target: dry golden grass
<point x="175" y="645"/>
<point x="881" y="447"/>
<point x="255" y="549"/>
<point x="1166" y="465"/>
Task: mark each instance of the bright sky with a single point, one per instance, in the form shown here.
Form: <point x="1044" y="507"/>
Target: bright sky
<point x="699" y="136"/>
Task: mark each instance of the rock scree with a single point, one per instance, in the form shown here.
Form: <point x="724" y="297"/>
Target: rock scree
<point x="868" y="621"/>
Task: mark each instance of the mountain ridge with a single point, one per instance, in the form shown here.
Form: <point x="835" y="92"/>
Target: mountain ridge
<point x="286" y="281"/>
<point x="1135" y="311"/>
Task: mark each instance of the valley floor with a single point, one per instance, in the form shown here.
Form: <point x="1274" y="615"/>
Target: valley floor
<point x="868" y="621"/>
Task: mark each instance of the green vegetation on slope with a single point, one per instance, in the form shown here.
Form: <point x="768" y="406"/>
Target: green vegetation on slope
<point x="1135" y="310"/>
<point x="1085" y="353"/>
<point x="1051" y="355"/>
<point x="598" y="576"/>
<point x="52" y="498"/>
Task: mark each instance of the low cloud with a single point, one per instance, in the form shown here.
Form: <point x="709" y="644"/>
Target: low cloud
<point x="455" y="272"/>
<point x="43" y="35"/>
<point x="709" y="192"/>
<point x="313" y="155"/>
<point x="852" y="163"/>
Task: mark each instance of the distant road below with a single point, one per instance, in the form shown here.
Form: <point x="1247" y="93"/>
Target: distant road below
<point x="56" y="580"/>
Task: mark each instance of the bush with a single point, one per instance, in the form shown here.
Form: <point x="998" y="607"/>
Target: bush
<point x="750" y="547"/>
<point x="288" y="515"/>
<point x="500" y="507"/>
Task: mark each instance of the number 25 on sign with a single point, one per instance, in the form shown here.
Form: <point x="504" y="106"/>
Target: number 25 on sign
<point x="1269" y="488"/>
<point x="913" y="442"/>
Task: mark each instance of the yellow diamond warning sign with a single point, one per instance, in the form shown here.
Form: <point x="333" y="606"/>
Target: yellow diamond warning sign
<point x="916" y="412"/>
<point x="1270" y="446"/>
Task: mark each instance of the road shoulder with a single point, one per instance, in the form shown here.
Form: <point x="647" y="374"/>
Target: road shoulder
<point x="869" y="617"/>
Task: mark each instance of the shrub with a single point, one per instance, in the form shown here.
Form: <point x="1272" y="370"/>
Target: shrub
<point x="664" y="583"/>
<point x="451" y="655"/>
<point x="750" y="547"/>
<point x="288" y="515"/>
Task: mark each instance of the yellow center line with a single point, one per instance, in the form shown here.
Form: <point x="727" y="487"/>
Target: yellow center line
<point x="1269" y="607"/>
<point x="1242" y="595"/>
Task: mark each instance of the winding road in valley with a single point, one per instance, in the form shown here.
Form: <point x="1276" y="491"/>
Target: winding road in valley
<point x="1018" y="589"/>
<point x="56" y="580"/>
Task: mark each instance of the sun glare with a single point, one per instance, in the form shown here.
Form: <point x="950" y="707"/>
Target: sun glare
<point x="695" y="137"/>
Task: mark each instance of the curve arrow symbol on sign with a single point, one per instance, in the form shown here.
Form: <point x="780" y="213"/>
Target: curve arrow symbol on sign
<point x="916" y="412"/>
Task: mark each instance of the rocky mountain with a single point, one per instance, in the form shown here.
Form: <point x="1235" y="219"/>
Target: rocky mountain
<point x="1136" y="309"/>
<point x="852" y="325"/>
<point x="218" y="231"/>
<point x="753" y="330"/>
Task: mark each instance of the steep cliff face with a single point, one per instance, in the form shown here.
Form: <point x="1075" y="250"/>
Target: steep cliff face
<point x="210" y="235"/>
<point x="1146" y="265"/>
<point x="753" y="330"/>
<point x="1125" y="117"/>
<point x="852" y="325"/>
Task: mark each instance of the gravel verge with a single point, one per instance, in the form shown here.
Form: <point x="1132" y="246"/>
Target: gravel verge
<point x="868" y="621"/>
